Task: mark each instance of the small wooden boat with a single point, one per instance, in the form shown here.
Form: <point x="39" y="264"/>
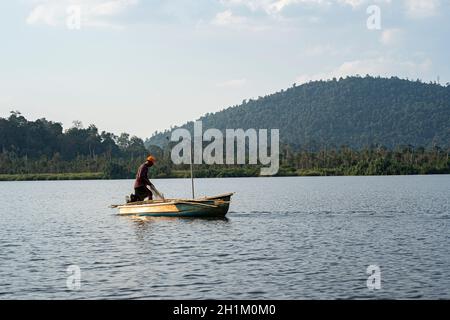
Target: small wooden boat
<point x="203" y="207"/>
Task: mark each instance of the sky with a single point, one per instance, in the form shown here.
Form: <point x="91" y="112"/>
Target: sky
<point x="138" y="66"/>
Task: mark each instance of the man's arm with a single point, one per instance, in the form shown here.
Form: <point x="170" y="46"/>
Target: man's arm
<point x="144" y="177"/>
<point x="148" y="183"/>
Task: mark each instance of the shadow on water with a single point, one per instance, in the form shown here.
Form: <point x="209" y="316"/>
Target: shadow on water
<point x="145" y="223"/>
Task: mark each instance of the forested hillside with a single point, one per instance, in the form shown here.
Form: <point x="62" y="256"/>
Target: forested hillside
<point x="355" y="111"/>
<point x="354" y="126"/>
<point x="42" y="146"/>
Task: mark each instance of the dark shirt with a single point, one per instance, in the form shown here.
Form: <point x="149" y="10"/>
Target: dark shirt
<point x="141" y="176"/>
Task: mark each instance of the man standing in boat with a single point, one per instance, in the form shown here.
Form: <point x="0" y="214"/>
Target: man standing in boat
<point x="142" y="183"/>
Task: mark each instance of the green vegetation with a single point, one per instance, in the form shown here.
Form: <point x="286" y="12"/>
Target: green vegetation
<point x="41" y="150"/>
<point x="52" y="176"/>
<point x="354" y="126"/>
<point x="338" y="162"/>
<point x="379" y="161"/>
<point x="342" y="162"/>
<point x="358" y="112"/>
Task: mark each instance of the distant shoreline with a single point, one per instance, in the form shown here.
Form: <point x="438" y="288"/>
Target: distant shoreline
<point x="53" y="176"/>
<point x="179" y="175"/>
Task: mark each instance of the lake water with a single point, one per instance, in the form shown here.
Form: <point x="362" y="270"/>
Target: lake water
<point x="284" y="238"/>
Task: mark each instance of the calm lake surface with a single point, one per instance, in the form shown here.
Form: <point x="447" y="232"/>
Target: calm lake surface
<point x="284" y="238"/>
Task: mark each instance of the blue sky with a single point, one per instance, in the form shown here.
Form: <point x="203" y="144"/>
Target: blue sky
<point x="141" y="65"/>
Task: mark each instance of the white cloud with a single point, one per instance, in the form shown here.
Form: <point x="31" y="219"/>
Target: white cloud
<point x="93" y="12"/>
<point x="279" y="5"/>
<point x="273" y="7"/>
<point x="352" y="3"/>
<point x="359" y="3"/>
<point x="235" y="83"/>
<point x="391" y="37"/>
<point x="422" y="8"/>
<point x="270" y="7"/>
<point x="382" y="66"/>
<point x="43" y="13"/>
<point x="227" y="18"/>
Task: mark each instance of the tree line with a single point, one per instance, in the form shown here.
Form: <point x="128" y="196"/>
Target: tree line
<point x="42" y="146"/>
<point x="42" y="149"/>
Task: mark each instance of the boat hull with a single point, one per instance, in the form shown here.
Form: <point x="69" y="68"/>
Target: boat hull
<point x="207" y="207"/>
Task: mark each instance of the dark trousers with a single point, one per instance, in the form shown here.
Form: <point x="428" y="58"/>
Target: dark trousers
<point x="142" y="192"/>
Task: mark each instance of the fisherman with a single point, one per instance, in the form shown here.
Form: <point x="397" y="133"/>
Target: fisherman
<point x="142" y="183"/>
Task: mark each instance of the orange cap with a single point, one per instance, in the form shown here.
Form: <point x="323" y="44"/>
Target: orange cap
<point x="151" y="159"/>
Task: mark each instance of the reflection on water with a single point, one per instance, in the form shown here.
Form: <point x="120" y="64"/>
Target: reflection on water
<point x="145" y="220"/>
<point x="143" y="225"/>
<point x="283" y="238"/>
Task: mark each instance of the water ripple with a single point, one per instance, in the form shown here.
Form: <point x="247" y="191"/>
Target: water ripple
<point x="285" y="238"/>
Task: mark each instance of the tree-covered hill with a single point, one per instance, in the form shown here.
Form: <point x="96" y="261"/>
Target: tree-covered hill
<point x="355" y="111"/>
<point x="42" y="146"/>
<point x="319" y="118"/>
<point x="43" y="138"/>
